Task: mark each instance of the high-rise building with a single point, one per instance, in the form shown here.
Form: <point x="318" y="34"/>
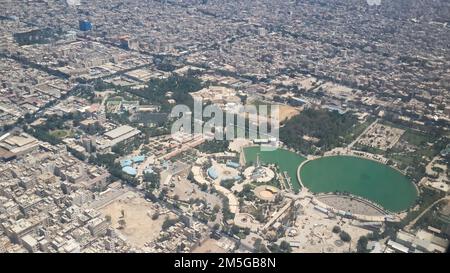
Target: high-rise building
<point x="98" y="226"/>
<point x="30" y="243"/>
<point x="89" y="143"/>
<point x="128" y="43"/>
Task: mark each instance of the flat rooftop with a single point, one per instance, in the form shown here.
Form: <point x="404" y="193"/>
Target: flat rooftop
<point x="19" y="141"/>
<point x="119" y="131"/>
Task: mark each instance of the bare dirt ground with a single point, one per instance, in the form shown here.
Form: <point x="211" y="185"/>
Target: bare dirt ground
<point x="213" y="246"/>
<point x="354" y="205"/>
<point x="314" y="233"/>
<point x="287" y="112"/>
<point x="139" y="227"/>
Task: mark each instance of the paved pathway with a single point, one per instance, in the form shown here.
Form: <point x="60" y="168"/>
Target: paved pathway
<point x="363" y="133"/>
<point x="413" y="222"/>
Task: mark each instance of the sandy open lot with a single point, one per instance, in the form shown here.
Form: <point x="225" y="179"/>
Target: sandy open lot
<point x="140" y="228"/>
<point x="314" y="232"/>
<point x="287" y="112"/>
<point x="210" y="245"/>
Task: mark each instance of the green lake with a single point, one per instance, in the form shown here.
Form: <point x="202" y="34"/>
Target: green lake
<point x="286" y="161"/>
<point x="366" y="178"/>
<point x="362" y="177"/>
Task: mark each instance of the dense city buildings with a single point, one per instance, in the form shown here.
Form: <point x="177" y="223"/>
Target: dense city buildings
<point x="89" y="161"/>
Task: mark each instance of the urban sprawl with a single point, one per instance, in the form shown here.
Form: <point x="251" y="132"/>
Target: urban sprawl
<point x="88" y="161"/>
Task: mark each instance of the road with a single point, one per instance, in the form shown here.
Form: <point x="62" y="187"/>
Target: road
<point x="99" y="203"/>
<point x="413" y="222"/>
<point x="363" y="133"/>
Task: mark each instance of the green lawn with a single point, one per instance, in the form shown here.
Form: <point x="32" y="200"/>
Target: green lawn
<point x="62" y="133"/>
